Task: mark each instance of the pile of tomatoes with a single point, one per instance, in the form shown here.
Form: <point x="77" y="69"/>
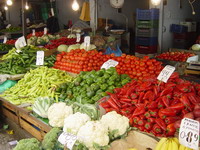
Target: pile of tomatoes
<point x="38" y="34"/>
<point x="175" y="56"/>
<point x="80" y="60"/>
<point x="64" y="40"/>
<point x="11" y="42"/>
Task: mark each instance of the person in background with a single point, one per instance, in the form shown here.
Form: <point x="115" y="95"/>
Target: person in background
<point x="52" y="24"/>
<point x="2" y="26"/>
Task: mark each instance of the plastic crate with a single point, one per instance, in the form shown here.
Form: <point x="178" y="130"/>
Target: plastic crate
<point x="146" y="49"/>
<point x="147" y="24"/>
<point x="146" y="32"/>
<point x="176" y="28"/>
<point x="147" y="14"/>
<point x="146" y="41"/>
<point x="180" y="43"/>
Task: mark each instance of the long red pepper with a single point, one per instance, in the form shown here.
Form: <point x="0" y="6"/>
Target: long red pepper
<point x="161" y="123"/>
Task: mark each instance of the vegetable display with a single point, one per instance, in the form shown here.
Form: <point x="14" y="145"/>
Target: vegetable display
<point x="176" y="56"/>
<point x="45" y="81"/>
<point x="80" y="60"/>
<point x="89" y="87"/>
<point x="24" y="60"/>
<point x="5" y="47"/>
<point x="38" y="34"/>
<point x="31" y="144"/>
<point x="11" y="29"/>
<point x="153" y="106"/>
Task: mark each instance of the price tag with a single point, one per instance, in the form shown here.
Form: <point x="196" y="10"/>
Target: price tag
<point x="109" y="63"/>
<point x="193" y="58"/>
<point x="45" y="31"/>
<point x="87" y="42"/>
<point x="78" y="38"/>
<point x="166" y="73"/>
<point x="21" y="42"/>
<point x="40" y="58"/>
<point x="52" y="12"/>
<point x="189" y="133"/>
<point x="33" y="32"/>
<point x="8" y="26"/>
<point x="67" y="139"/>
<point x="5" y="39"/>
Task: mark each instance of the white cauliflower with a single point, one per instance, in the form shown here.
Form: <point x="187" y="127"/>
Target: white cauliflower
<point x="116" y="123"/>
<point x="73" y="122"/>
<point x="93" y="132"/>
<point x="57" y="112"/>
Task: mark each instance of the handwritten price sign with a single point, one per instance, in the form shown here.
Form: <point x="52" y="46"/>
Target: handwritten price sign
<point x="166" y="73"/>
<point x="67" y="139"/>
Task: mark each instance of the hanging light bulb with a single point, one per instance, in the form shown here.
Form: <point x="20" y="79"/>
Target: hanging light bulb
<point x="5" y="8"/>
<point x="75" y="5"/>
<point x="9" y="2"/>
<point x="26" y="6"/>
<point x="155" y="2"/>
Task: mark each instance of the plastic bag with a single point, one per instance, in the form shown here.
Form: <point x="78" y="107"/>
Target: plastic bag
<point x="6" y="85"/>
<point x="117" y="52"/>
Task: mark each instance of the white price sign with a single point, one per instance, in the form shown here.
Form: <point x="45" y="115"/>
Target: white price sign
<point x="87" y="41"/>
<point x="189" y="133"/>
<point x="109" y="63"/>
<point x="5" y="39"/>
<point x="52" y="12"/>
<point x="45" y="30"/>
<point x="8" y="26"/>
<point x="40" y="58"/>
<point x="166" y="73"/>
<point x="67" y="139"/>
<point x="21" y="42"/>
<point x="33" y="32"/>
<point x="78" y="38"/>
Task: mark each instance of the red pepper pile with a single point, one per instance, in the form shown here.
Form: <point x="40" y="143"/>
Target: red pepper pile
<point x="11" y="42"/>
<point x="38" y="34"/>
<point x="55" y="43"/>
<point x="153" y="106"/>
<point x="81" y="60"/>
<point x="175" y="56"/>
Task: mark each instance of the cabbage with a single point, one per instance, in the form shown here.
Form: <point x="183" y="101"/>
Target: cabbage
<point x="74" y="46"/>
<point x="196" y="47"/>
<point x="62" y="48"/>
<point x="90" y="47"/>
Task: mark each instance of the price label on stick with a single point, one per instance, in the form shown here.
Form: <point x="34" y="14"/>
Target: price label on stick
<point x="40" y="58"/>
<point x="166" y="73"/>
<point x="78" y="38"/>
<point x="87" y="42"/>
<point x="33" y="32"/>
<point x="189" y="133"/>
<point x="4" y="39"/>
<point x="109" y="63"/>
<point x="8" y="26"/>
<point x="67" y="139"/>
<point x="45" y="31"/>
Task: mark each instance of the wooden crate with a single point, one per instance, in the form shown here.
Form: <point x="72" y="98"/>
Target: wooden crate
<point x="24" y="119"/>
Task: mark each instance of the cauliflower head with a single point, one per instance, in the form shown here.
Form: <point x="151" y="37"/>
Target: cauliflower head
<point x="116" y="123"/>
<point x="57" y="113"/>
<point x="93" y="132"/>
<point x="73" y="122"/>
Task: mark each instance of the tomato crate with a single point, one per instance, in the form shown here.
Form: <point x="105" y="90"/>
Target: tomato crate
<point x="146" y="41"/>
<point x="146" y="32"/>
<point x="176" y="28"/>
<point x="147" y="14"/>
<point x="146" y="49"/>
<point x="147" y="23"/>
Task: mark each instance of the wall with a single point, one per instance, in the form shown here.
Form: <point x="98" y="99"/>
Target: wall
<point x="173" y="14"/>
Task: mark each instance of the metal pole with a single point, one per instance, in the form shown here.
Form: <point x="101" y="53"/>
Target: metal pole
<point x="23" y="19"/>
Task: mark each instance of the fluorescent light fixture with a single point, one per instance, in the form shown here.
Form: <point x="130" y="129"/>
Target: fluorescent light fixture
<point x="26" y="6"/>
<point x="75" y="5"/>
<point x="155" y="2"/>
<point x="9" y="2"/>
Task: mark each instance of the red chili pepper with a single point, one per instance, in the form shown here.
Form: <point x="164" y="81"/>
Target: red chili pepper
<point x="135" y="120"/>
<point x="104" y="104"/>
<point x="147" y="115"/>
<point x="112" y="104"/>
<point x="175" y="101"/>
<point x="152" y="105"/>
<point x="178" y="106"/>
<point x="125" y="105"/>
<point x="134" y="96"/>
<point x="160" y="104"/>
<point x="183" y="88"/>
<point x="125" y="100"/>
<point x="157" y="129"/>
<point x="170" y="120"/>
<point x="154" y="113"/>
<point x="160" y="123"/>
<point x="161" y="115"/>
<point x="115" y="99"/>
<point x="117" y="90"/>
<point x="149" y="95"/>
<point x="171" y="130"/>
<point x="166" y="91"/>
<point x="184" y="112"/>
<point x="186" y="102"/>
<point x="156" y="90"/>
<point x="138" y="111"/>
<point x="141" y="122"/>
<point x="170" y="84"/>
<point x="148" y="126"/>
<point x="166" y="101"/>
<point x="135" y="101"/>
<point x="109" y="109"/>
<point x="151" y="120"/>
<point x="141" y="128"/>
<point x="193" y="98"/>
<point x="130" y="90"/>
<point x="141" y="95"/>
<point x="169" y="112"/>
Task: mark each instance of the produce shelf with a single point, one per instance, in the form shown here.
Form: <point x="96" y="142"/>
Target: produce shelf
<point x="24" y="119"/>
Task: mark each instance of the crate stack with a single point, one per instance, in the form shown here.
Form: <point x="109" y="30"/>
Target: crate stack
<point x="147" y="22"/>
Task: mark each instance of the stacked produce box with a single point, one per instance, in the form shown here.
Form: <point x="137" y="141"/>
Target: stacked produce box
<point x="147" y="31"/>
